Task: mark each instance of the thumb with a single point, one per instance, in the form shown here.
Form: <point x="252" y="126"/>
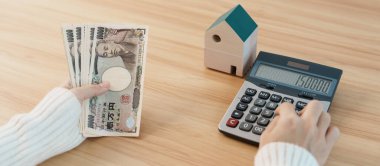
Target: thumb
<point x="88" y="91"/>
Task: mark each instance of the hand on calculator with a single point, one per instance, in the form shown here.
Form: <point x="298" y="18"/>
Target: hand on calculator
<point x="310" y="130"/>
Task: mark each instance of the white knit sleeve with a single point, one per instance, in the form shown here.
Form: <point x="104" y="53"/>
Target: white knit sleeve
<point x="51" y="128"/>
<point x="284" y="154"/>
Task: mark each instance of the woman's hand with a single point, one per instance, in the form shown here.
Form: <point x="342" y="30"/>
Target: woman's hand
<point x="88" y="91"/>
<point x="311" y="130"/>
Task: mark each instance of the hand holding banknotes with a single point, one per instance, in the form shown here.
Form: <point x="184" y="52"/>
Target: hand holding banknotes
<point x="116" y="53"/>
<point x="103" y="97"/>
<point x="88" y="91"/>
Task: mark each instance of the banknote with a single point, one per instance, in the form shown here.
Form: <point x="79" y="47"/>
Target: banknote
<point x="77" y="54"/>
<point x="118" y="55"/>
<point x="89" y="37"/>
<point x="113" y="53"/>
<point x="68" y="35"/>
<point x="89" y="32"/>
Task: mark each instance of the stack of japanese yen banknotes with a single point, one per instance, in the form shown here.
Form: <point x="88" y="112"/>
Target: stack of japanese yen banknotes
<point x="113" y="53"/>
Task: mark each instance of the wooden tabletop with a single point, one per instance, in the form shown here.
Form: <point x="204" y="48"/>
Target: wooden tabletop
<point x="183" y="100"/>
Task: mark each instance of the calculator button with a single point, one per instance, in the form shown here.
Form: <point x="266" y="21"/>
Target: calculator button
<point x="271" y="105"/>
<point x="237" y="114"/>
<point x="289" y="100"/>
<point x="245" y="126"/>
<point x="251" y="118"/>
<point x="250" y="92"/>
<point x="267" y="113"/>
<point x="259" y="102"/>
<point x="264" y="95"/>
<point x="246" y="99"/>
<point x="275" y="98"/>
<point x="255" y="110"/>
<point x="263" y="121"/>
<point x="242" y="106"/>
<point x="300" y="105"/>
<point x="232" y="122"/>
<point x="258" y="129"/>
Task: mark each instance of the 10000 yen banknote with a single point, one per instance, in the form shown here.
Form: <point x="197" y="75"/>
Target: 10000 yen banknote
<point x="118" y="55"/>
<point x="68" y="36"/>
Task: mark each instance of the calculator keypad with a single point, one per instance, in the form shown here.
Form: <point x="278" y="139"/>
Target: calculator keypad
<point x="260" y="112"/>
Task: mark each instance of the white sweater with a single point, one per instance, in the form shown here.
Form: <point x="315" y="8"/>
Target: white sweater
<point x="284" y="154"/>
<point x="52" y="128"/>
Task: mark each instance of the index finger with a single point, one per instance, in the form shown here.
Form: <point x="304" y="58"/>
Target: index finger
<point x="88" y="91"/>
<point x="286" y="110"/>
<point x="312" y="111"/>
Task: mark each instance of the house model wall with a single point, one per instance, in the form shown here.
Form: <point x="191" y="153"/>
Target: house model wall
<point x="230" y="42"/>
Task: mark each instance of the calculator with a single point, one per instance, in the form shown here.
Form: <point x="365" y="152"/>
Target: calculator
<point x="272" y="80"/>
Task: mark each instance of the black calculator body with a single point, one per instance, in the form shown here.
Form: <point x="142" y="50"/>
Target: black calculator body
<point x="275" y="79"/>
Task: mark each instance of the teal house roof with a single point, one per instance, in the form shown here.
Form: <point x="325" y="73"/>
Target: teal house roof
<point x="239" y="20"/>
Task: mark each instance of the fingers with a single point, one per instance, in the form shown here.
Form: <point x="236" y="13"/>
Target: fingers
<point x="332" y="136"/>
<point x="286" y="110"/>
<point x="324" y="122"/>
<point x="272" y="124"/>
<point x="312" y="112"/>
<point x="86" y="92"/>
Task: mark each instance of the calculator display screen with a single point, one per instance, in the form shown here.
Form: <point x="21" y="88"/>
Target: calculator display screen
<point x="295" y="79"/>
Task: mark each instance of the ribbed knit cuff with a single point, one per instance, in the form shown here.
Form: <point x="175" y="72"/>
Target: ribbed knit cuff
<point x="284" y="154"/>
<point x="51" y="128"/>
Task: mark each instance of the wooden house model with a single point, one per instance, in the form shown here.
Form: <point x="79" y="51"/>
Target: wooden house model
<point x="230" y="42"/>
